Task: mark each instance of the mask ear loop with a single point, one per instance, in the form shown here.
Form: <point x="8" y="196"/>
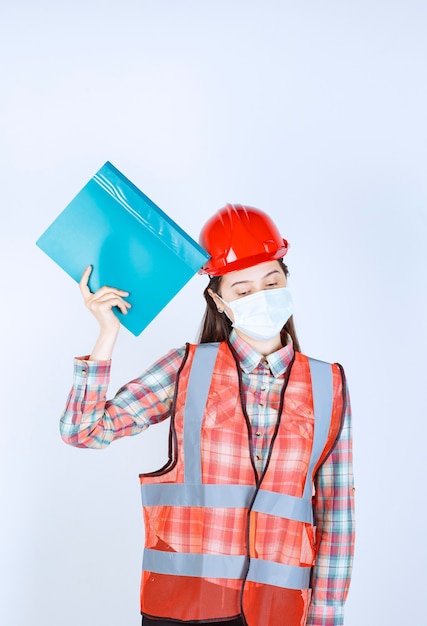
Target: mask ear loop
<point x="222" y="310"/>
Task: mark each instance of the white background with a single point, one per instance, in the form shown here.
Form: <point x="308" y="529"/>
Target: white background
<point x="312" y="111"/>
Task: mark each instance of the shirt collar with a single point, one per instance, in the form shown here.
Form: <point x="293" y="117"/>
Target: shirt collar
<point x="249" y="359"/>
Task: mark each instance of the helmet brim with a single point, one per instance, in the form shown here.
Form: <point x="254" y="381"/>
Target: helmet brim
<point x="220" y="267"/>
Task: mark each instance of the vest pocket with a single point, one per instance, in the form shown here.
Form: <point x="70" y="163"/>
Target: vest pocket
<point x="308" y="545"/>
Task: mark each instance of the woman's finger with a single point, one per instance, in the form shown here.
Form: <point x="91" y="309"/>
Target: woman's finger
<point x="102" y="291"/>
<point x="107" y="303"/>
<point x="104" y="296"/>
<point x="83" y="284"/>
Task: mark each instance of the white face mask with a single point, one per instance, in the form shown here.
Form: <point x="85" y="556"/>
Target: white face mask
<point x="263" y="314"/>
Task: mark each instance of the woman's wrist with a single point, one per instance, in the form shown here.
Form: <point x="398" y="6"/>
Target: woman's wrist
<point x="103" y="348"/>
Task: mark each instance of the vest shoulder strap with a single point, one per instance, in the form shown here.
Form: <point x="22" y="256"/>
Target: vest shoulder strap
<point x="322" y="389"/>
<point x="328" y="384"/>
<point x="202" y="367"/>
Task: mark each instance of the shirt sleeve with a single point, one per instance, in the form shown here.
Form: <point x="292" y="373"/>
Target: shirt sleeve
<point x="90" y="420"/>
<point x="334" y="513"/>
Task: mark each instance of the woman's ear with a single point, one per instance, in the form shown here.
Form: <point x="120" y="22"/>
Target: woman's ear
<point x="219" y="305"/>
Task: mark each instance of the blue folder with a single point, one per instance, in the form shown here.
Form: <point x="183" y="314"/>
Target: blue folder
<point x="130" y="242"/>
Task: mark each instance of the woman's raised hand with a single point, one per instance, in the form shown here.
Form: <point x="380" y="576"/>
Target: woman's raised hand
<point x="102" y="302"/>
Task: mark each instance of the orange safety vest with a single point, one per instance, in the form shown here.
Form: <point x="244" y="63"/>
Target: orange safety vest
<point x="221" y="541"/>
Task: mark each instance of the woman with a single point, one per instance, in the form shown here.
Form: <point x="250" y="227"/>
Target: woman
<point x="251" y="519"/>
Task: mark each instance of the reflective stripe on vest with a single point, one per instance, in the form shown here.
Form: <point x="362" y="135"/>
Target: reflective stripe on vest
<point x="200" y="565"/>
<point x="322" y="386"/>
<point x="228" y="497"/>
<point x="197" y="395"/>
<point x="193" y="493"/>
<point x="225" y="566"/>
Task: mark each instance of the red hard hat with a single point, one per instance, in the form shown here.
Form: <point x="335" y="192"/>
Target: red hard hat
<point x="239" y="236"/>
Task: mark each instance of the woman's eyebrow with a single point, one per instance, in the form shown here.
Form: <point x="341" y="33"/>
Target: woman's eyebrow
<point x="241" y="282"/>
<point x="272" y="272"/>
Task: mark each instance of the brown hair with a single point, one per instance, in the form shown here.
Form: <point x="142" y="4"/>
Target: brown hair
<point x="217" y="327"/>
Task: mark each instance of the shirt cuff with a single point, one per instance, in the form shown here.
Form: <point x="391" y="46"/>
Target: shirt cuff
<point x="91" y="373"/>
<point x="325" y="615"/>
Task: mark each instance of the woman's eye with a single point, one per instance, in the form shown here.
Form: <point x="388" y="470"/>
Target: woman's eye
<point x="270" y="285"/>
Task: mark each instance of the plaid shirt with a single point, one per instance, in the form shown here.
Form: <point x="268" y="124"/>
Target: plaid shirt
<point x="89" y="420"/>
